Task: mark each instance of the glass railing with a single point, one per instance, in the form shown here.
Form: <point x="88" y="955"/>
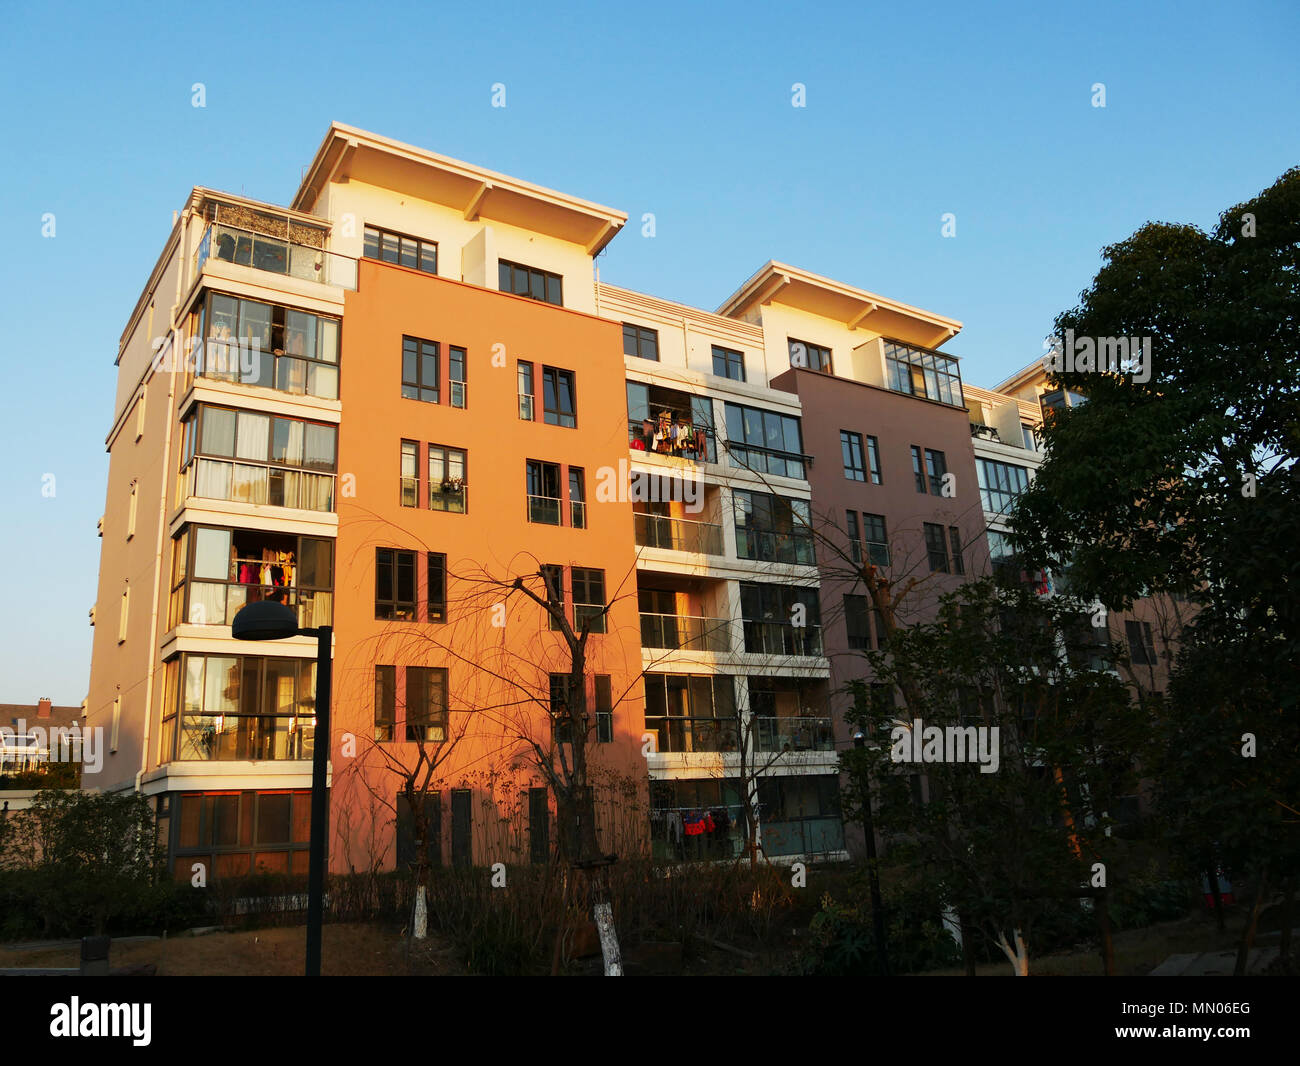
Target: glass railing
<point x="768" y="547"/>
<point x="545" y="510"/>
<point x="275" y="255"/>
<point x="782" y="638"/>
<point x="229" y="736"/>
<point x="794" y="734"/>
<point x="222" y="479"/>
<point x="678" y="534"/>
<point x="215" y="603"/>
<point x="685" y="633"/>
<point x="684" y="735"/>
<point x="802" y="836"/>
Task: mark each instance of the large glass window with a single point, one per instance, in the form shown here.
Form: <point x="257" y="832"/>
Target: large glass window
<point x="543" y="492"/>
<point x="426" y="704"/>
<point x="420" y="369"/>
<point x="1000" y="484"/>
<point x="589" y="598"/>
<point x="413" y="252"/>
<point x="395" y="584"/>
<point x="670" y="422"/>
<point x="920" y="372"/>
<point x="269" y="345"/>
<point x="773" y="528"/>
<point x="692" y="713"/>
<point x="558" y="402"/>
<point x="530" y="282"/>
<point x="765" y="441"/>
<point x="249" y="457"/>
<point x="447" y="488"/>
<point x="640" y="342"/>
<point x="781" y="619"/>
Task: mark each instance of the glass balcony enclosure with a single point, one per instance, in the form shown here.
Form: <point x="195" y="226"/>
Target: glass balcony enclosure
<point x="668" y="422"/>
<point x="273" y="243"/>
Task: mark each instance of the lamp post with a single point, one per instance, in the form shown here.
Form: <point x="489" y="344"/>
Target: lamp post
<point x="270" y="620"/>
<point x="873" y="879"/>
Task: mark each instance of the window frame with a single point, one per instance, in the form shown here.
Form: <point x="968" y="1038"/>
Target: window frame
<point x="418" y="385"/>
<point x="552" y="379"/>
<point x="823" y="365"/>
<point x="592" y="577"/>
<point x="398" y="606"/>
<point x="730" y="359"/>
<point x="641" y="336"/>
<point x="421" y="244"/>
<point x="508" y="267"/>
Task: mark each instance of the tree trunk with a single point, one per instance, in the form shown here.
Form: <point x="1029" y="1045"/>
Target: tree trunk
<point x="1019" y="957"/>
<point x="1103" y="923"/>
<point x="1248" y="934"/>
<point x="420" y="927"/>
<point x="604" y="916"/>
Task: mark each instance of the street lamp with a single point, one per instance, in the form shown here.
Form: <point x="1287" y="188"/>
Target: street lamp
<point x="873" y="879"/>
<point x="272" y="620"/>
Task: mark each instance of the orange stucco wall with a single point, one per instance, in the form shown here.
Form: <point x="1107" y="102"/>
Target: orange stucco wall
<point x="489" y="713"/>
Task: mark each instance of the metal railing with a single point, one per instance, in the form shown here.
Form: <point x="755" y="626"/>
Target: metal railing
<point x="243" y="247"/>
<point x="782" y="638"/>
<point x="685" y="632"/>
<point x="545" y="510"/>
<point x="678" y="534"/>
<point x="794" y="734"/>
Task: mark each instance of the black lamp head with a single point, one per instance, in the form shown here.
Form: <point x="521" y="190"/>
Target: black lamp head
<point x="265" y="620"/>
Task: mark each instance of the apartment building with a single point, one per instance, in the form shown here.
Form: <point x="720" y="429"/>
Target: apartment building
<point x="387" y="401"/>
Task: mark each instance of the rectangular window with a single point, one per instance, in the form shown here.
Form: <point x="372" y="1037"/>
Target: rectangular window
<point x="1000" y="484"/>
<point x="385" y="702"/>
<point x="561" y="724"/>
<point x="456" y="376"/>
<point x="1030" y="436"/>
<point x="812" y="356"/>
<point x="640" y="342"/>
<point x="420" y="369"/>
<point x="577" y="498"/>
<point x="765" y="441"/>
<point x="589" y="598"/>
<point x="936" y="466"/>
<point x="876" y="537"/>
<point x="855" y="463"/>
<point x="426" y="704"/>
<point x="296" y="352"/>
<point x="525" y="391"/>
<point x="604" y="710"/>
<point x="413" y="252"/>
<point x="530" y="282"/>
<point x="936" y="548"/>
<point x="857" y="623"/>
<point x="855" y="535"/>
<point x="437" y="581"/>
<point x="954" y="541"/>
<point x="447" y="488"/>
<point x="462" y="840"/>
<point x="395" y="584"/>
<point x="772" y="528"/>
<point x="873" y="459"/>
<point x="728" y="363"/>
<point x="558" y="401"/>
<point x="781" y="619"/>
<point x="917" y="472"/>
<point x="410" y="474"/>
<point x="920" y="372"/>
<point x="553" y="589"/>
<point x="1141" y="643"/>
<point x="117" y="724"/>
<point x="542" y="488"/>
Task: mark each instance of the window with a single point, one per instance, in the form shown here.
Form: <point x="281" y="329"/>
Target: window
<point x="589" y="599"/>
<point x="437" y="580"/>
<point x="936" y="548"/>
<point x="543" y="491"/>
<point x="873" y="459"/>
<point x="132" y="507"/>
<point x="871" y="531"/>
<point x="1030" y="435"/>
<point x="271" y="346"/>
<point x="855" y="535"/>
<point x="139" y="416"/>
<point x="765" y="441"/>
<point x="577" y="498"/>
<point x="117" y="724"/>
<point x="558" y="397"/>
<point x="604" y="710"/>
<point x="931" y="476"/>
<point x="242" y="456"/>
<point x="456" y="379"/>
<point x="395" y="584"/>
<point x="855" y="466"/>
<point x="123" y="614"/>
<point x="561" y="723"/>
<point x="405" y="251"/>
<point x="920" y="372"/>
<point x="1141" y="643"/>
<point x="857" y="623"/>
<point x="420" y="369"/>
<point x="447" y="488"/>
<point x="1000" y="484"/>
<point x="954" y="540"/>
<point x="529" y="282"/>
<point x="770" y="613"/>
<point x="670" y="422"/>
<point x="426" y="704"/>
<point x="772" y="528"/>
<point x="813" y="356"/>
<point x="692" y="712"/>
<point x="525" y="391"/>
<point x="553" y="589"/>
<point x="410" y="474"/>
<point x="385" y="702"/>
<point x="640" y="342"/>
<point x="728" y="364"/>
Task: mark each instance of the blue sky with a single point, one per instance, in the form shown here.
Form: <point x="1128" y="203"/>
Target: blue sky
<point x="679" y="110"/>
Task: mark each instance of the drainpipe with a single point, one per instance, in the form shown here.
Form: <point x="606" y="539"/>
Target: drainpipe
<point x="182" y="253"/>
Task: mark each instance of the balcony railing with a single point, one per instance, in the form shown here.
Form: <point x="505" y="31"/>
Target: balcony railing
<point x="685" y="633"/>
<point x="275" y="255"/>
<point x="222" y="479"/>
<point x="225" y="737"/>
<point x="782" y="638"/>
<point x="215" y="603"/>
<point x="685" y="735"/>
<point x="678" y="534"/>
<point x="680" y="438"/>
<point x="545" y="510"/>
<point x="770" y="547"/>
<point x="794" y="734"/>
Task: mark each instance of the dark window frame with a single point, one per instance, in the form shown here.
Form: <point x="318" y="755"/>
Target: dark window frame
<point x="395" y="608"/>
<point x="415" y="386"/>
<point x="725" y="360"/>
<point x="422" y="245"/>
<point x="552" y="285"/>
<point x="640" y="338"/>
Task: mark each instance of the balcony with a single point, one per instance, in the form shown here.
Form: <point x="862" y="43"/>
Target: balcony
<point x="690" y="735"/>
<point x="685" y="633"/>
<point x="545" y="510"/>
<point x="276" y="255"/>
<point x="793" y="734"/>
<point x="239" y="737"/>
<point x="678" y="534"/>
<point x="669" y="422"/>
<point x="772" y="547"/>
<point x="782" y="638"/>
<point x="220" y="479"/>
